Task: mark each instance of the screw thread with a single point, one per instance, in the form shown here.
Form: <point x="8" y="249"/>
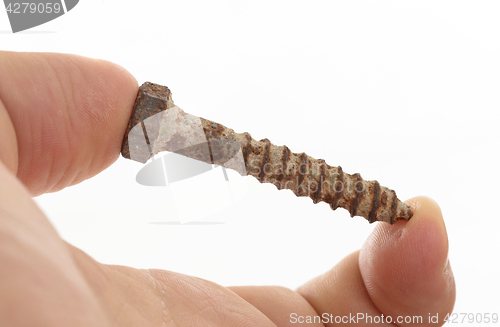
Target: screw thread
<point x="307" y="176"/>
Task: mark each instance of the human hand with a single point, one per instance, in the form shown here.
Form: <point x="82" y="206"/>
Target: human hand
<point x="62" y="120"/>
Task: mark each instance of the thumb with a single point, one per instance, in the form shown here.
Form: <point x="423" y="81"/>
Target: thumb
<point x="62" y="117"/>
<point x="405" y="267"/>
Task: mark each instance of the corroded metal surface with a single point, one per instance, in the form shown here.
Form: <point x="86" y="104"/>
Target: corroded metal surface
<point x="152" y="99"/>
<point x="176" y="131"/>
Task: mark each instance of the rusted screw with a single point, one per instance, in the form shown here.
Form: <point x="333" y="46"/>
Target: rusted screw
<point x="158" y="125"/>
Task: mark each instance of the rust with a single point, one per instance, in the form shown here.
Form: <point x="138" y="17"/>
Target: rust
<point x="303" y="163"/>
<point x="383" y="199"/>
<point x="357" y="194"/>
<point x="151" y="100"/>
<point x="165" y="127"/>
<point x="338" y="187"/>
<point x="319" y="188"/>
<point x="265" y="160"/>
<point x="393" y="207"/>
<point x="284" y="159"/>
<point x="372" y="216"/>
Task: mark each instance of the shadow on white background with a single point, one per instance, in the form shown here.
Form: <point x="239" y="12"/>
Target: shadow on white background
<point x="197" y="190"/>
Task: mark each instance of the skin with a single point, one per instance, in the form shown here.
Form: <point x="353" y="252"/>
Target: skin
<point x="62" y="119"/>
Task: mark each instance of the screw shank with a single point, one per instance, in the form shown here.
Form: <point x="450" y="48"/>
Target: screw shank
<point x="158" y="125"/>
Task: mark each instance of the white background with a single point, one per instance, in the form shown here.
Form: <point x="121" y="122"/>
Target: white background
<point x="405" y="93"/>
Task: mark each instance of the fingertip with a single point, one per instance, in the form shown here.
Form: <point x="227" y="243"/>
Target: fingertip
<point x="425" y="230"/>
<point x="113" y="91"/>
<point x="404" y="266"/>
<point x="425" y="208"/>
<point x="98" y="98"/>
